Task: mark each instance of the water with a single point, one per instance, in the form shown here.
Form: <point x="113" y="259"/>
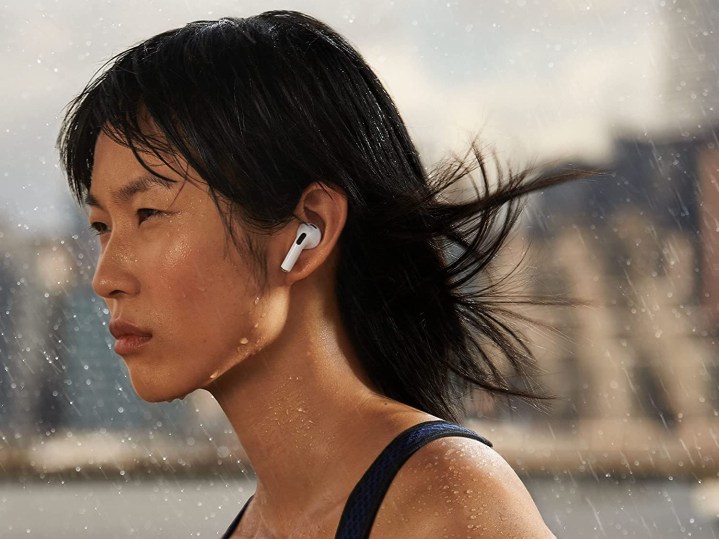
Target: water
<point x="166" y="508"/>
<point x="638" y="509"/>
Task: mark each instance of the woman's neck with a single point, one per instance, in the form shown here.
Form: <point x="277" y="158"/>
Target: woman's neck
<point x="308" y="418"/>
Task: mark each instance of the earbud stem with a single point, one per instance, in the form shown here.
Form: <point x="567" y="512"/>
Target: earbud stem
<point x="291" y="258"/>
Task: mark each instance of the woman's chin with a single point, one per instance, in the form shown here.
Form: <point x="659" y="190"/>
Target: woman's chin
<point x="155" y="390"/>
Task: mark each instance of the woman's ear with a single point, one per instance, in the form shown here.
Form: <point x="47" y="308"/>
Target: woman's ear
<point x="325" y="206"/>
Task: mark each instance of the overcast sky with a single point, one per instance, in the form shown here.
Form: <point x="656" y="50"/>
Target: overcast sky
<point x="538" y="78"/>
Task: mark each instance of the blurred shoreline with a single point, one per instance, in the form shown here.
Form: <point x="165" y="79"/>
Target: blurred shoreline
<point x="620" y="449"/>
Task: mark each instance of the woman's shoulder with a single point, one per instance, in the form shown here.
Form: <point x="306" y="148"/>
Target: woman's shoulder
<point x="458" y="487"/>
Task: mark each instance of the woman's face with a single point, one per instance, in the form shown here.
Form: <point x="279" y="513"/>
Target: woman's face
<point x="167" y="267"/>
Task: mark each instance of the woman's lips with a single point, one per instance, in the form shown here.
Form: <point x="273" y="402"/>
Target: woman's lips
<point x="130" y="338"/>
<point x="130" y="344"/>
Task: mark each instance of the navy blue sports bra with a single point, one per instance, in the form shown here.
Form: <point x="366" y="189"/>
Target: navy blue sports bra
<point x="365" y="499"/>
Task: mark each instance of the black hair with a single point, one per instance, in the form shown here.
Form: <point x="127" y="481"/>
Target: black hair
<point x="260" y="107"/>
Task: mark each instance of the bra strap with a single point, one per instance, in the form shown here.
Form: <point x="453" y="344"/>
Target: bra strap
<point x="365" y="500"/>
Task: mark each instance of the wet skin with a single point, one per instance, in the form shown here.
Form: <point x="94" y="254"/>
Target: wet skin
<point x="165" y="266"/>
<point x="279" y="362"/>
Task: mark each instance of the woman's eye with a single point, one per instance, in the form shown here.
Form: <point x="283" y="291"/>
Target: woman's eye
<point x="146" y="213"/>
<point x="98" y="228"/>
<point x="143" y="213"/>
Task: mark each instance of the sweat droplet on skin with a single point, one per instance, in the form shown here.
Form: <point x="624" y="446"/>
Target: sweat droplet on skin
<point x="244" y="340"/>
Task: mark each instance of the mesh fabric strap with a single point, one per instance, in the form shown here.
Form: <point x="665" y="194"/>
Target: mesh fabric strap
<point x="364" y="501"/>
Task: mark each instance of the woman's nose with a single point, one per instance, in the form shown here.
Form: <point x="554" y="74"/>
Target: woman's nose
<point x="115" y="273"/>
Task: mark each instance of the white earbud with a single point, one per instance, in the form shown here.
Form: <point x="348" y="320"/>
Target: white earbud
<point x="308" y="237"/>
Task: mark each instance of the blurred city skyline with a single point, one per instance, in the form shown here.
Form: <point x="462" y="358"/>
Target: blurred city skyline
<point x="539" y="80"/>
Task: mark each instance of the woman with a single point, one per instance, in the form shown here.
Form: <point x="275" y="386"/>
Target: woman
<point x="269" y="234"/>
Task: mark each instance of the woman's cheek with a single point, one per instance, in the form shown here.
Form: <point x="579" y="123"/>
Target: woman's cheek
<point x="175" y="250"/>
<point x="183" y="263"/>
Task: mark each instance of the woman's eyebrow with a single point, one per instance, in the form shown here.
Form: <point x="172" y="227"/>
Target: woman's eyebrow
<point x="125" y="193"/>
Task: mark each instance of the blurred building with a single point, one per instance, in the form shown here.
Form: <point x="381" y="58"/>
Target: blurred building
<point x="630" y="241"/>
<point x="708" y="171"/>
<point x="692" y="60"/>
<point x="9" y="345"/>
